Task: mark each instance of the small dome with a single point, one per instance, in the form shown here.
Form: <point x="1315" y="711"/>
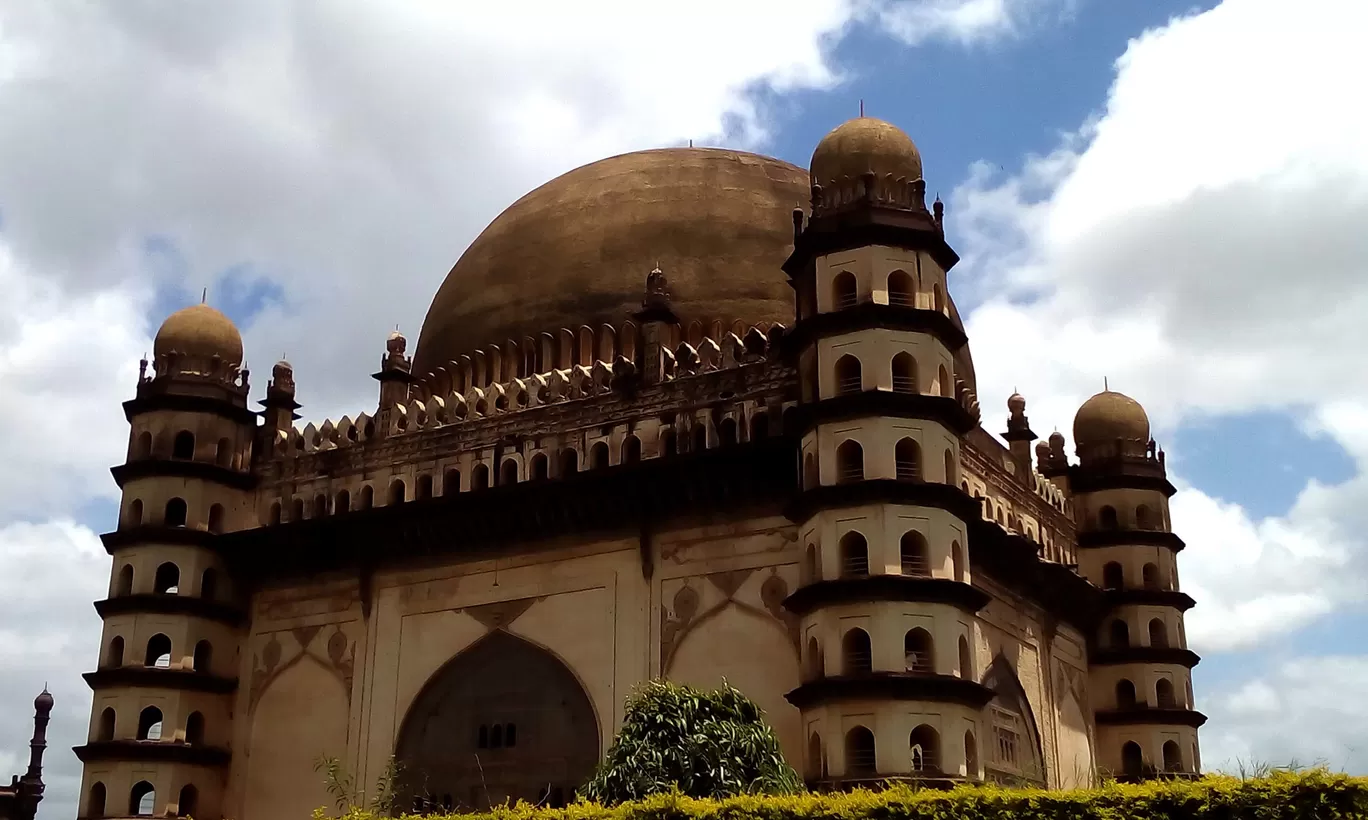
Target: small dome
<point x="862" y="145"/>
<point x="1042" y="449"/>
<point x="1110" y="417"/>
<point x="201" y="332"/>
<point x="43" y="703"/>
<point x="1016" y="403"/>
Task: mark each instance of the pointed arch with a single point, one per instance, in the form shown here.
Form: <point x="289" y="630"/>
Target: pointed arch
<point x="1019" y="753"/>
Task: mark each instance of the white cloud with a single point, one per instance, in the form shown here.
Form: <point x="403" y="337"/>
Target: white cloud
<point x="965" y="21"/>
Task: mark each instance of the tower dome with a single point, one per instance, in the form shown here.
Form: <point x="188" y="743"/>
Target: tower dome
<point x="1108" y="418"/>
<point x="861" y="146"/>
<point x="199" y="332"/>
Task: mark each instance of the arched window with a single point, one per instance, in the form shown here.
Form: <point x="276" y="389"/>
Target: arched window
<point x="949" y="466"/>
<point x="1150" y="575"/>
<point x="184" y="445"/>
<point x="856" y="655"/>
<point x="938" y="298"/>
<point x="947" y="387"/>
<point x="397" y="491"/>
<point x="106" y="727"/>
<point x="342" y="503"/>
<point x="814" y="761"/>
<point x="451" y="482"/>
<point x="125" y="584"/>
<point x="203" y="657"/>
<point x="849" y="377"/>
<point x="810" y="572"/>
<point x="843" y="291"/>
<point x="1125" y="694"/>
<point x="1163" y="694"/>
<point x="667" y="446"/>
<point x="134" y="516"/>
<point x="1113" y="576"/>
<point x="275" y="516"/>
<point x="114" y="655"/>
<point x="907" y="460"/>
<point x="297" y="510"/>
<point x="810" y="478"/>
<point x="158" y="651"/>
<point x="1106" y="518"/>
<point x="1120" y="634"/>
<point x="569" y="462"/>
<point x="209" y="584"/>
<point x="759" y="426"/>
<point x="1173" y="757"/>
<point x="367" y="499"/>
<point x="175" y="513"/>
<point x="142" y="799"/>
<point x="859" y="752"/>
<point x="194" y="728"/>
<point x="216" y="518"/>
<point x="854" y="555"/>
<point x="901" y="291"/>
<point x="598" y="456"/>
<point x="849" y="462"/>
<point x="815" y="663"/>
<point x="185" y="805"/>
<point x="631" y="450"/>
<point x="919" y="652"/>
<point x="142" y="448"/>
<point x="479" y="477"/>
<point x="95" y="804"/>
<point x="1158" y="635"/>
<point x="700" y="436"/>
<point x="424" y="486"/>
<point x="1144" y="518"/>
<point x="167" y="579"/>
<point x="966" y="659"/>
<point x="496" y="737"/>
<point x="957" y="560"/>
<point x="510" y="735"/>
<point x="508" y="472"/>
<point x="537" y="468"/>
<point x="971" y="764"/>
<point x="916" y="559"/>
<point x="924" y="748"/>
<point x="1132" y="759"/>
<point x="150" y="724"/>
<point x="904" y="373"/>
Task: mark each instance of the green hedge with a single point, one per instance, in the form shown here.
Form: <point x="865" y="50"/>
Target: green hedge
<point x="1311" y="795"/>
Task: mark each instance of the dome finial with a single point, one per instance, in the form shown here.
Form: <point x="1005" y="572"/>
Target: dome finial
<point x="862" y="107"/>
<point x="1105" y="388"/>
<point x="204" y="296"/>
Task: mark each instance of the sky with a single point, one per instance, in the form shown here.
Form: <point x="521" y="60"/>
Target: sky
<point x="1168" y="195"/>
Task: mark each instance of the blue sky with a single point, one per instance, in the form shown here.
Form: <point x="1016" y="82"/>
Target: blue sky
<point x="1139" y="193"/>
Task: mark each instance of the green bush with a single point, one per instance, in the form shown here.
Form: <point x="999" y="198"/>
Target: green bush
<point x="701" y="744"/>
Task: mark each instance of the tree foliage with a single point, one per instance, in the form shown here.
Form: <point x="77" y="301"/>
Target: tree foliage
<point x="704" y="744"/>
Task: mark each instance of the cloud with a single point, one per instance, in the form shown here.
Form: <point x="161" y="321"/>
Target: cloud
<point x="968" y="22"/>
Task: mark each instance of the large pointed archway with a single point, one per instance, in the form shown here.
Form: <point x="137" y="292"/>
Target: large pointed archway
<point x="503" y="720"/>
<point x="1015" y="756"/>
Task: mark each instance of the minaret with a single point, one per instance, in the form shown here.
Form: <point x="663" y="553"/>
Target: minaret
<point x="1141" y="668"/>
<point x="886" y="602"/>
<point x="163" y="688"/>
<point x="19" y="800"/>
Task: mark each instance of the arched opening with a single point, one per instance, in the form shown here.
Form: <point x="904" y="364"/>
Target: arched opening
<point x="856" y="655"/>
<point x="114" y="654"/>
<point x="938" y="298"/>
<point x="1113" y="576"/>
<point x="1149" y="574"/>
<point x="479" y="477"/>
<point x="508" y="472"/>
<point x="810" y="478"/>
<point x="726" y="432"/>
<point x="854" y="555"/>
<point x="810" y="572"/>
<point x="175" y="513"/>
<point x="916" y="559"/>
<point x="158" y="652"/>
<point x="537" y="468"/>
<point x="142" y="799"/>
<point x="556" y="738"/>
<point x="966" y="659"/>
<point x="194" y="728"/>
<point x="1106" y="518"/>
<point x="397" y="492"/>
<point x="216" y="518"/>
<point x="183" y="447"/>
<point x="223" y="453"/>
<point x="849" y="462"/>
<point x="185" y="804"/>
<point x="667" y="445"/>
<point x="134" y="516"/>
<point x="150" y="724"/>
<point x="759" y="426"/>
<point x="919" y="652"/>
<point x="209" y="584"/>
<point x="1125" y="694"/>
<point x="904" y="373"/>
<point x="451" y="482"/>
<point x="275" y="516"/>
<point x="843" y="291"/>
<point x="700" y="436"/>
<point x="598" y="456"/>
<point x="949" y="467"/>
<point x="924" y="748"/>
<point x="814" y="668"/>
<point x="142" y="447"/>
<point x="367" y="499"/>
<point x="1144" y="518"/>
<point x="424" y="486"/>
<point x="901" y="291"/>
<point x="569" y="462"/>
<point x="957" y="561"/>
<point x="203" y="657"/>
<point x="1173" y="757"/>
<point x="1163" y="694"/>
<point x="342" y="503"/>
<point x="907" y="460"/>
<point x="106" y="727"/>
<point x="631" y="449"/>
<point x="1119" y="634"/>
<point x="95" y="803"/>
<point x="947" y="387"/>
<point x="849" y="377"/>
<point x="167" y="580"/>
<point x="813" y="769"/>
<point x="297" y="509"/>
<point x="1158" y="635"/>
<point x="971" y="764"/>
<point x="1015" y="751"/>
<point x="1132" y="759"/>
<point x="125" y="584"/>
<point x="859" y="752"/>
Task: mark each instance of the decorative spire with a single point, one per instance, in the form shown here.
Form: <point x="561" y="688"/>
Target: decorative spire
<point x="938" y="211"/>
<point x="204" y="296"/>
<point x="862" y="107"/>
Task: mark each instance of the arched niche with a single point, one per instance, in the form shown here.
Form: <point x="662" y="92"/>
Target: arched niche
<point x="1016" y="757"/>
<point x="500" y="679"/>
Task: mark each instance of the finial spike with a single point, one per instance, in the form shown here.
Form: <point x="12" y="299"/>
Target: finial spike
<point x="862" y="107"/>
<point x="690" y="143"/>
<point x="204" y="296"/>
<point x="1105" y="388"/>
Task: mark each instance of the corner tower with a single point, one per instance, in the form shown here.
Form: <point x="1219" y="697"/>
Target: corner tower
<point x="886" y="605"/>
<point x="161" y="719"/>
<point x="1141" y="666"/>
